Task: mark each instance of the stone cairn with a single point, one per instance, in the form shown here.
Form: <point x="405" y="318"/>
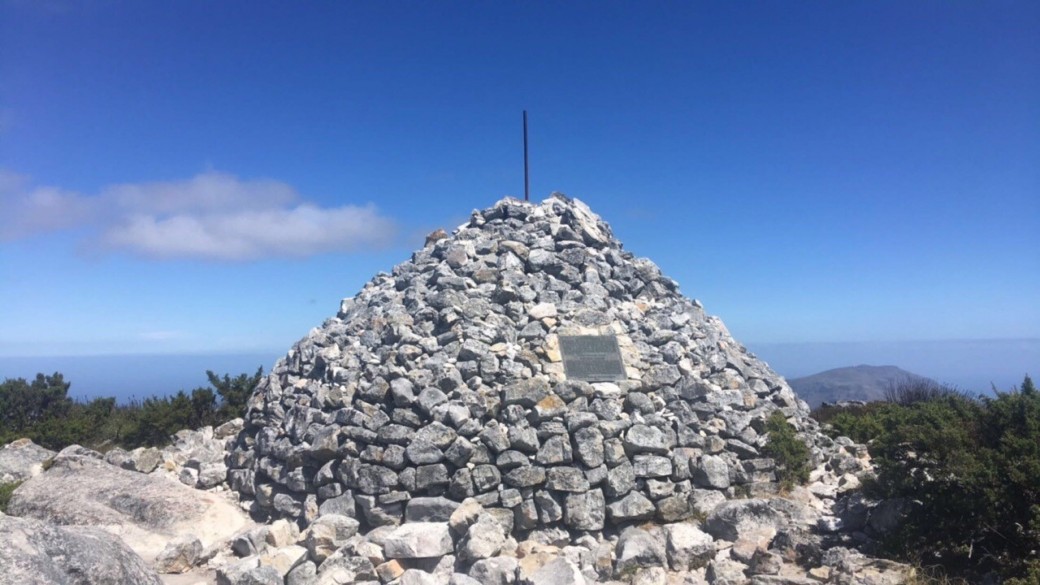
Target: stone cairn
<point x="435" y="406"/>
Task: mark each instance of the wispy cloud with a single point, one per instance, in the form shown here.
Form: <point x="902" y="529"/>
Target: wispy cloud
<point x="210" y="216"/>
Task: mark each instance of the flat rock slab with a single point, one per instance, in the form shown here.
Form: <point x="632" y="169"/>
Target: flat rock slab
<point x="22" y="459"/>
<point x="146" y="511"/>
<point x="36" y="552"/>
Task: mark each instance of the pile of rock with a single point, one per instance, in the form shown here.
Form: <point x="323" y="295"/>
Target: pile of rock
<point x="194" y="457"/>
<point x="446" y="543"/>
<point x="445" y="378"/>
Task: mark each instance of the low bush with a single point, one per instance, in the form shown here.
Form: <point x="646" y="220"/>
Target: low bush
<point x="971" y="468"/>
<point x="788" y="450"/>
<point x="6" y="489"/>
<point x="42" y="411"/>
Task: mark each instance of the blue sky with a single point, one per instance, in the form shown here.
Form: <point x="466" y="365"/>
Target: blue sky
<point x="213" y="177"/>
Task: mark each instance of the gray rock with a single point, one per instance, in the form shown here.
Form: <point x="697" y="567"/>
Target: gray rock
<point x="549" y="509"/>
<point x="664" y="375"/>
<point x="733" y="519"/>
<point x="342" y="505"/>
<point x="526" y="393"/>
<point x="438" y="509"/>
<point x="21" y="460"/>
<point x="566" y="479"/>
<point x="306" y="573"/>
<point x="528" y="476"/>
<point x="711" y="471"/>
<point x="143" y="459"/>
<point x="523" y="439"/>
<point x="36" y="552"/>
<point x="484" y="539"/>
<point x="146" y="510"/>
<point x="614" y="452"/>
<point x="421" y="452"/>
<point x="687" y="546"/>
<point x="486" y="477"/>
<point x="248" y="573"/>
<point x="284" y="560"/>
<point x="634" y="506"/>
<point x="430" y="398"/>
<point x="555" y="451"/>
<point x="725" y="572"/>
<point x="642" y="438"/>
<point x="494" y="571"/>
<point x="376" y="513"/>
<point x="180" y="555"/>
<point x="638" y="548"/>
<point x="340" y="569"/>
<point x="853" y="566"/>
<point x="372" y="479"/>
<point x="674" y="508"/>
<point x="418" y="540"/>
<point x="495" y="436"/>
<point x="585" y="511"/>
<point x="765" y="563"/>
<point x="459" y="452"/>
<point x="211" y="475"/>
<point x="620" y="480"/>
<point x="589" y="443"/>
<point x="417" y="577"/>
<point x="327" y="534"/>
<point x="558" y="571"/>
<point x="888" y="515"/>
<point x="651" y="465"/>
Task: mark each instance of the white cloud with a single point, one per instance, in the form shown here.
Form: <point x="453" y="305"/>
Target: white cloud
<point x="211" y="216"/>
<point x="24" y="211"/>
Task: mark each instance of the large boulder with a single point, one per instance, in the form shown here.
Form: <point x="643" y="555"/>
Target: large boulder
<point x="36" y="552"/>
<point x="738" y="519"/>
<point x="146" y="511"/>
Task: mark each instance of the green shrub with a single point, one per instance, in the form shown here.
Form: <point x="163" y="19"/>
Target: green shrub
<point x="6" y="489"/>
<point x="790" y="452"/>
<point x="971" y="467"/>
<point x="234" y="392"/>
<point x="42" y="411"/>
<point x="913" y="390"/>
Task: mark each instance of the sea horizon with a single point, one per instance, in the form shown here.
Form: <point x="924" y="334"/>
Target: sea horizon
<point x="973" y="365"/>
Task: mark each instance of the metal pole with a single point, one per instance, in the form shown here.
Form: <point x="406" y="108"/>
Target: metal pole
<point x="527" y="181"/>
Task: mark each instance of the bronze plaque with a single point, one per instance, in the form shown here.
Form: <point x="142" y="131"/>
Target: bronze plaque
<point x="592" y="358"/>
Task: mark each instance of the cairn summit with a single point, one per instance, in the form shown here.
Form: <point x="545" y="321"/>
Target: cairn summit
<point x="445" y="380"/>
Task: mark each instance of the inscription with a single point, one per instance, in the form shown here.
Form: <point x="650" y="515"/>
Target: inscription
<point x="592" y="358"/>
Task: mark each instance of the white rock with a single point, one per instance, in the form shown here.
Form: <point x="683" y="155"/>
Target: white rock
<point x="418" y="540"/>
<point x="559" y="571"/>
<point x="542" y="310"/>
<point x="284" y="559"/>
<point x="688" y="547"/>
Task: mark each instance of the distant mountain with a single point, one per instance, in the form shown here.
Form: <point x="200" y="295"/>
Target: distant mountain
<point x="852" y="383"/>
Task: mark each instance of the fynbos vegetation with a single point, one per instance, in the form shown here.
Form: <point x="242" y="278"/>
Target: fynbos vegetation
<point x="789" y="451"/>
<point x="969" y="467"/>
<point x="42" y="411"/>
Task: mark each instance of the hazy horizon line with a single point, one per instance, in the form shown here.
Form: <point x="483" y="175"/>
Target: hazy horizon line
<point x="241" y="352"/>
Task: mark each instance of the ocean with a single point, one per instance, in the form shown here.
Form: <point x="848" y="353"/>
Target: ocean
<point x="971" y="365"/>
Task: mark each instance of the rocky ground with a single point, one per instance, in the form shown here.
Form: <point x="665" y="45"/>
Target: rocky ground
<point x="85" y="520"/>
